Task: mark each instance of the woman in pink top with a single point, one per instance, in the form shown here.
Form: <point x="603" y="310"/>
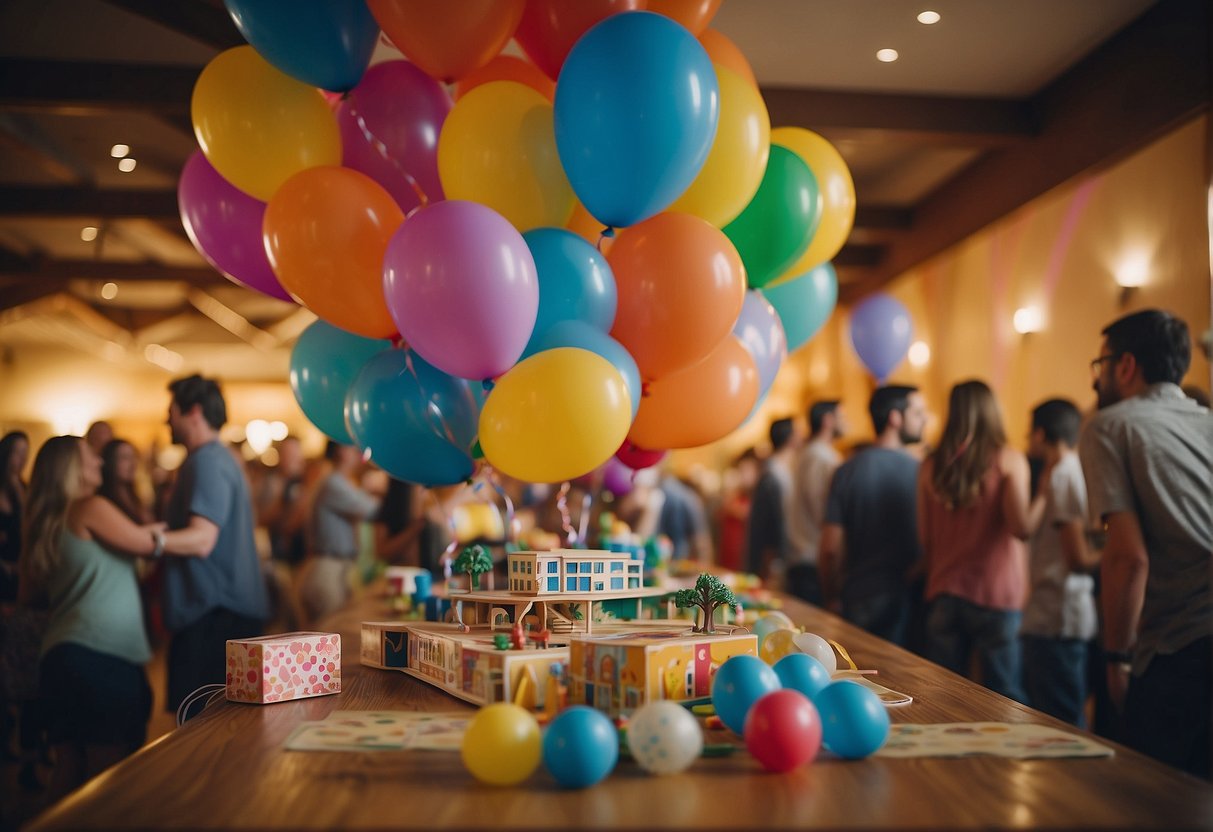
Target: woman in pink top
<point x="972" y="521"/>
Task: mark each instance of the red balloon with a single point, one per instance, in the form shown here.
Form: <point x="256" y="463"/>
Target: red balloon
<point x="695" y="15"/>
<point x="452" y="42"/>
<point x="783" y="730"/>
<point x="637" y="458"/>
<point x="549" y="28"/>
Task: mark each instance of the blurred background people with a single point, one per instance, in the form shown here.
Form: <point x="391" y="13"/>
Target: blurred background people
<point x="814" y="469"/>
<point x="733" y="516"/>
<point x="767" y="532"/>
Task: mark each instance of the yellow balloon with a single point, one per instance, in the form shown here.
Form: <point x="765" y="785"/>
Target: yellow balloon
<point x="738" y="159"/>
<point x="502" y="745"/>
<point x="259" y="127"/>
<point x="556" y="415"/>
<point x="837" y="195"/>
<point x="777" y="645"/>
<point x="498" y="148"/>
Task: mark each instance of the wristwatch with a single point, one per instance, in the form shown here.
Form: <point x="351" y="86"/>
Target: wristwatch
<point x="157" y="543"/>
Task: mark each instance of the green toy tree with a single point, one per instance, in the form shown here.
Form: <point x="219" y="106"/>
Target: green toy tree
<point x="474" y="560"/>
<point x="708" y="594"/>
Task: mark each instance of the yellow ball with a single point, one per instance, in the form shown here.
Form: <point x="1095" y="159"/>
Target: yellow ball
<point x="777" y="645"/>
<point x="502" y="745"/>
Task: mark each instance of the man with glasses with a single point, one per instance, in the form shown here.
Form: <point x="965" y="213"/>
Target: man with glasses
<point x="1147" y="456"/>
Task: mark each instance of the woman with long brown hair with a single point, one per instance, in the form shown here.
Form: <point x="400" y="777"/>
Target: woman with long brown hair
<point x="973" y="516"/>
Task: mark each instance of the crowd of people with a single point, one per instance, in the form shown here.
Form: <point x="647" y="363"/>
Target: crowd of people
<point x="982" y="558"/>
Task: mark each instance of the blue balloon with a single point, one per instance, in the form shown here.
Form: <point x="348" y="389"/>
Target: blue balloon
<point x="802" y="672"/>
<point x="854" y="723"/>
<point x="761" y="332"/>
<point x="324" y="363"/>
<point x="805" y="303"/>
<point x="586" y="337"/>
<point x="416" y="422"/>
<point x="580" y="747"/>
<point x="325" y="43"/>
<point x="636" y="109"/>
<point x="881" y="332"/>
<point x="575" y="282"/>
<point x="738" y="684"/>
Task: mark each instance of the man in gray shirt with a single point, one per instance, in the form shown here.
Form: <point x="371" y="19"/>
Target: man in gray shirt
<point x="220" y="595"/>
<point x="1147" y="456"/>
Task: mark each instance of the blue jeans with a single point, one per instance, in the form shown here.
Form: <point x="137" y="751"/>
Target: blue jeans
<point x="1167" y="709"/>
<point x="886" y="615"/>
<point x="1055" y="676"/>
<point x="956" y="628"/>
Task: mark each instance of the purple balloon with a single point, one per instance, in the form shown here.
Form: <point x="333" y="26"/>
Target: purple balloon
<point x="617" y="477"/>
<point x="761" y="332"/>
<point x="881" y="332"/>
<point x="224" y="224"/>
<point x="460" y="283"/>
<point x="390" y="125"/>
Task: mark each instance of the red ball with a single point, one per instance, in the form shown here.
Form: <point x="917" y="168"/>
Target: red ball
<point x="783" y="730"/>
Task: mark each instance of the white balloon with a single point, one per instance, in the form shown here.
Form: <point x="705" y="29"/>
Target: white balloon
<point x="664" y="738"/>
<point x="818" y="648"/>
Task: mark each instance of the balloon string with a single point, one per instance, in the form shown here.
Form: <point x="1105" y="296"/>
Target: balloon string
<point x="382" y="150"/>
<point x="566" y="522"/>
<point x="490" y="476"/>
<point x="433" y="413"/>
<point x="447" y="558"/>
<point x="586" y="502"/>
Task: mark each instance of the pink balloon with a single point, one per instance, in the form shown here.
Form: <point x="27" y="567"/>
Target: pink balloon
<point x="224" y="224"/>
<point x="460" y="284"/>
<point x="636" y="457"/>
<point x="390" y="124"/>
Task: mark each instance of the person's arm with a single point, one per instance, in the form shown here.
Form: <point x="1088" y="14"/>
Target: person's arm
<point x="348" y="500"/>
<point x="1123" y="589"/>
<point x="105" y="522"/>
<point x="1079" y="556"/>
<point x="1015" y="504"/>
<point x="831" y="554"/>
<point x="1039" y="503"/>
<point x="923" y="492"/>
<point x="388" y="547"/>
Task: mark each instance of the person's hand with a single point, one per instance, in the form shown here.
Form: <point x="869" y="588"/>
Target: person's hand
<point x="1118" y="684"/>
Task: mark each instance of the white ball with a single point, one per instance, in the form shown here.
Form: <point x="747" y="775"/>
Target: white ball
<point x="664" y="738"/>
<point x="818" y="648"/>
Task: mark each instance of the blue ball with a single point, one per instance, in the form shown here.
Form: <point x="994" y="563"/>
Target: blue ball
<point x="802" y="672"/>
<point x="739" y="683"/>
<point x="854" y="723"/>
<point x="580" y="747"/>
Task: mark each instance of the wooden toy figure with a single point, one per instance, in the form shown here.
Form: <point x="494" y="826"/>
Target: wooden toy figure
<point x="541" y="637"/>
<point x="518" y="636"/>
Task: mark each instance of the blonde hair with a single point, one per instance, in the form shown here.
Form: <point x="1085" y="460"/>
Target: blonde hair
<point x="54" y="484"/>
<point x="971" y="438"/>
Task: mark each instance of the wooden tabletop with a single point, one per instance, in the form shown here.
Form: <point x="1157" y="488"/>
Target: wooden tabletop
<point x="226" y="769"/>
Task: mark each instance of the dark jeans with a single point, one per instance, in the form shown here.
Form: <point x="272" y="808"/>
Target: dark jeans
<point x="956" y="628"/>
<point x="1167" y="709"/>
<point x="197" y="654"/>
<point x="802" y="582"/>
<point x="1055" y="676"/>
<point x="93" y="698"/>
<point x="886" y="615"/>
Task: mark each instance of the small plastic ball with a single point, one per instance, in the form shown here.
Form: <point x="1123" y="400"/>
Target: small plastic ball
<point x="739" y="683"/>
<point x="783" y="730"/>
<point x="502" y="744"/>
<point x="802" y="672"/>
<point x="664" y="738"/>
<point x="777" y="645"/>
<point x="769" y="623"/>
<point x="854" y="723"/>
<point x="817" y="647"/>
<point x="580" y="747"/>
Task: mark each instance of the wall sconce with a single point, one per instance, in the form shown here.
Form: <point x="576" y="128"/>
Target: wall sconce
<point x="1132" y="272"/>
<point x="1028" y="319"/>
<point x="919" y="354"/>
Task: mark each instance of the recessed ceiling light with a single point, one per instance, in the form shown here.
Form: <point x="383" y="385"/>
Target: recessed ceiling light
<point x="109" y="291"/>
<point x="88" y="233"/>
<point x="928" y="17"/>
<point x="118" y="151"/>
<point x="887" y="55"/>
<point x="126" y="165"/>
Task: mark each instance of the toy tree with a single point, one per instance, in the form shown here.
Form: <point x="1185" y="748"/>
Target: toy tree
<point x="474" y="560"/>
<point x="708" y="594"/>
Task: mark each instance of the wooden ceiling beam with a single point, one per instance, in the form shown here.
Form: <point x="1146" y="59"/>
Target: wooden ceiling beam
<point x="107" y="270"/>
<point x="107" y="203"/>
<point x="83" y="88"/>
<point x="207" y="23"/>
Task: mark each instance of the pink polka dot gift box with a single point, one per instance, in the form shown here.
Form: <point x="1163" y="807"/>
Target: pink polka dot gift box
<point x="283" y="667"/>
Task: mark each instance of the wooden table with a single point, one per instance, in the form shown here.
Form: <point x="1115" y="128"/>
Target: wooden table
<point x="227" y="769"/>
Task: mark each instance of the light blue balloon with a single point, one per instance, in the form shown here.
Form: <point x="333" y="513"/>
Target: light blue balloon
<point x="802" y="672"/>
<point x="738" y="684"/>
<point x="580" y="747"/>
<point x="325" y="43"/>
<point x="854" y="722"/>
<point x="415" y="421"/>
<point x="586" y="337"/>
<point x="324" y="363"/>
<point x="881" y="332"/>
<point x="636" y="109"/>
<point x="575" y="282"/>
<point x="761" y="332"/>
<point x="805" y="303"/>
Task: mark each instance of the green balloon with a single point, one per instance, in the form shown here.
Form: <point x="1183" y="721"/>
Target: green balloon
<point x="779" y="223"/>
<point x="804" y="304"/>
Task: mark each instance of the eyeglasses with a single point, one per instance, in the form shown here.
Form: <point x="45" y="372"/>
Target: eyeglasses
<point x="1097" y="364"/>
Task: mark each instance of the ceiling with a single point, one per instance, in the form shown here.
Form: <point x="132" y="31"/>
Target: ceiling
<point x="988" y="108"/>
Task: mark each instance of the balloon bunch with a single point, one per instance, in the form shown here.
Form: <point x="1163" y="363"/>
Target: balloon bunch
<point x="448" y="243"/>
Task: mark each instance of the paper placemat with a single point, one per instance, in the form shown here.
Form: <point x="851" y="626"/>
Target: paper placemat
<point x="381" y="731"/>
<point x="998" y="739"/>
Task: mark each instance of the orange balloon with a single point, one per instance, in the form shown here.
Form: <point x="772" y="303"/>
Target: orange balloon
<point x="700" y="404"/>
<point x="450" y="42"/>
<point x="508" y="68"/>
<point x="724" y="52"/>
<point x="693" y="14"/>
<point x="549" y="28"/>
<point x="583" y="224"/>
<point x="681" y="286"/>
<point x="325" y="232"/>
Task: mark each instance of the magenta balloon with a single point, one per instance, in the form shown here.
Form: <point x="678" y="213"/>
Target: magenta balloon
<point x="461" y="286"/>
<point x="224" y="224"/>
<point x="390" y="125"/>
<point x="617" y="477"/>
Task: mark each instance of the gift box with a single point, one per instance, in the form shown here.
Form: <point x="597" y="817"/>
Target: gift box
<point x="283" y="667"/>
